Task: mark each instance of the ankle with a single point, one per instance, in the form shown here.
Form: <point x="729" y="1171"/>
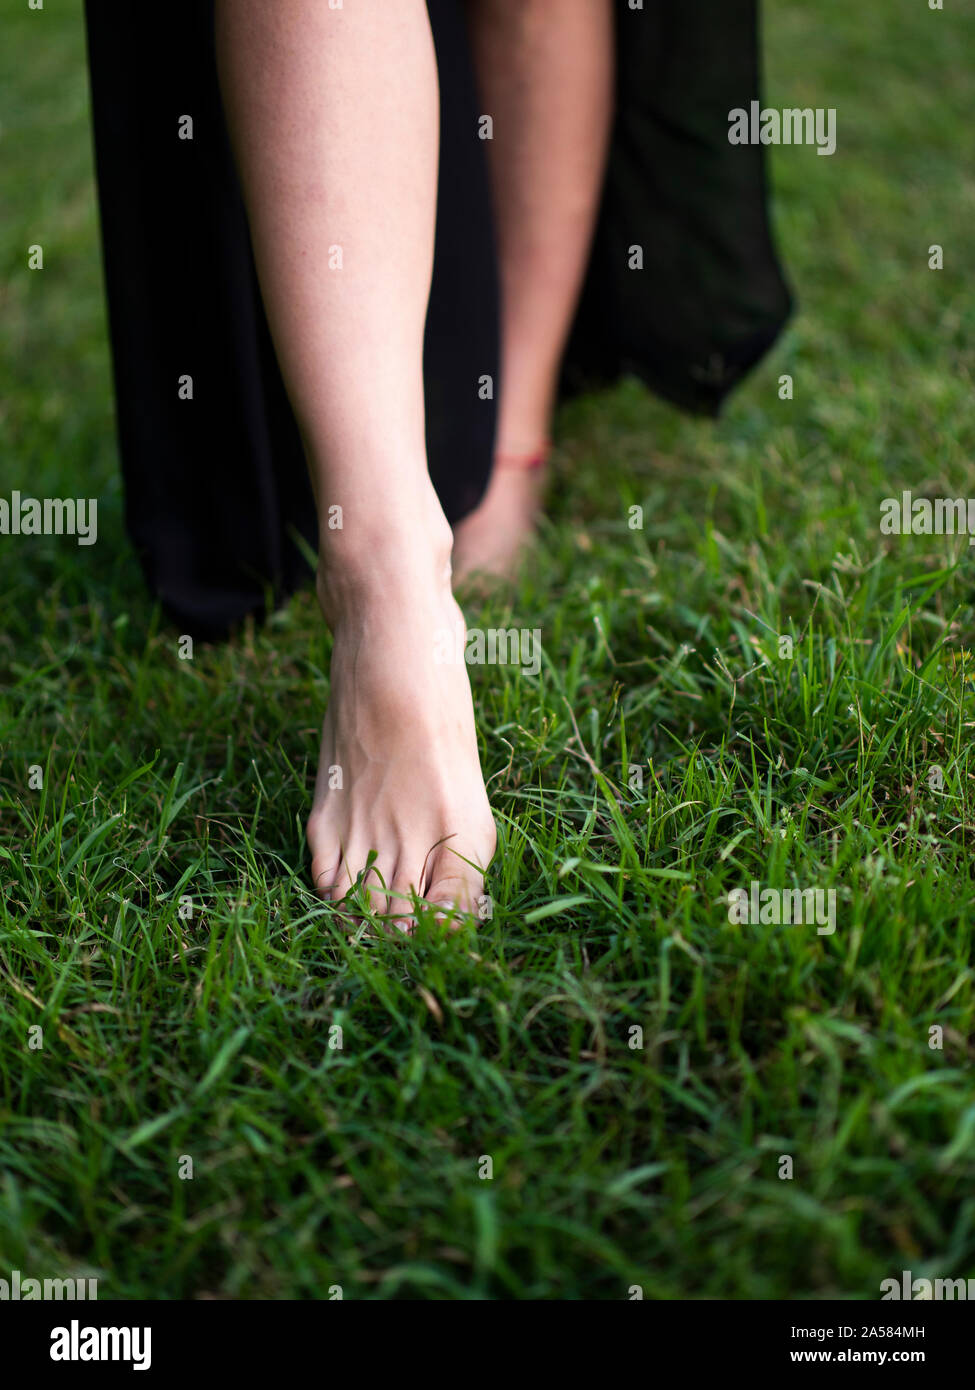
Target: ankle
<point x="402" y="554"/>
<point x="531" y="460"/>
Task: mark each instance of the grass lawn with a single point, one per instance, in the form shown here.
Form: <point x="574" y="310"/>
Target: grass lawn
<point x="614" y="1164"/>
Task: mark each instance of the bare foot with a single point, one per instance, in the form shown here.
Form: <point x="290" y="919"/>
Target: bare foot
<point x="399" y="772"/>
<point x="492" y="539"/>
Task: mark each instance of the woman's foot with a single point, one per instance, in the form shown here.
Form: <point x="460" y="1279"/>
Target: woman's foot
<point x="492" y="539"/>
<point x="399" y="777"/>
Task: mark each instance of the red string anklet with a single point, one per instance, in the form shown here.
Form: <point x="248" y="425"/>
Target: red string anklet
<point x="533" y="460"/>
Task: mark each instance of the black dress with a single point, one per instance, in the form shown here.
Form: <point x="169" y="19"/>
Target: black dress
<point x="216" y="485"/>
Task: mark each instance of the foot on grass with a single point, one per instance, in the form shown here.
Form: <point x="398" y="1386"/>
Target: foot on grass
<point x="399" y="777"/>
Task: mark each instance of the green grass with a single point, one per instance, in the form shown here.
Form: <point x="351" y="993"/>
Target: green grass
<point x="613" y="1165"/>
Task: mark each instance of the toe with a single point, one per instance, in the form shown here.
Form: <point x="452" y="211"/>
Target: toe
<point x="369" y="875"/>
<point x="341" y="883"/>
<point x="326" y="860"/>
<point x="455" y="884"/>
<point x="375" y="888"/>
<point x="402" y="890"/>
